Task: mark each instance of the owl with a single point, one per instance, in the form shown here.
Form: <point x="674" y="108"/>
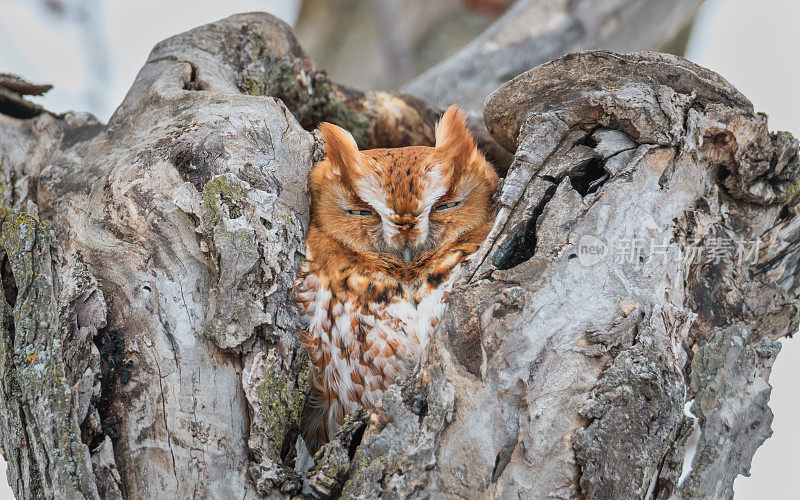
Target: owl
<point x="389" y="228"/>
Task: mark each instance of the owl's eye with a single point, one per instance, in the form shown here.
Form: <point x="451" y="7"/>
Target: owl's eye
<point x="360" y="212"/>
<point x="445" y="206"/>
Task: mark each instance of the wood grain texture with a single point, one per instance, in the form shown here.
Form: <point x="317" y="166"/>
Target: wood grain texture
<point x="148" y="347"/>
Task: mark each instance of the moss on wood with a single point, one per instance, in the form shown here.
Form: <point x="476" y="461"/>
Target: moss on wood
<point x="307" y="92"/>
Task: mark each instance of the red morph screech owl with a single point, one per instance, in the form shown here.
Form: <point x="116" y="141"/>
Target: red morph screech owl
<point x="388" y="229"/>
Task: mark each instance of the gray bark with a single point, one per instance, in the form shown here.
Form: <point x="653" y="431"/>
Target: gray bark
<point x="149" y="345"/>
<point x="552" y="377"/>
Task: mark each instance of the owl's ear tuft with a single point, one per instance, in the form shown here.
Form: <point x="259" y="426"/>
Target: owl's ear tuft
<point x="453" y="139"/>
<point x="341" y="149"/>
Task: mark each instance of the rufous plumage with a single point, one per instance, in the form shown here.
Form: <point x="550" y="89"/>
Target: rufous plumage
<point x="389" y="228"/>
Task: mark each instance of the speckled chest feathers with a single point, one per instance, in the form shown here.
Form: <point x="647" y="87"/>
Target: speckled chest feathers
<point x="389" y="228"/>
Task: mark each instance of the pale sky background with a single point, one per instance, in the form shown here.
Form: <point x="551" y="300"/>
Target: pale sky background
<point x="752" y="44"/>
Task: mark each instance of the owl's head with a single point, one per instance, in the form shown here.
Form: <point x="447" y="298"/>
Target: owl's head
<point x="402" y="202"/>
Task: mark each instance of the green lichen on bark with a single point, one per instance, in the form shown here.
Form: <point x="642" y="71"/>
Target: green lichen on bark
<point x="281" y="400"/>
<point x="222" y="197"/>
<point x="35" y="400"/>
<point x="307" y="92"/>
<point x="236" y="303"/>
<point x="277" y="396"/>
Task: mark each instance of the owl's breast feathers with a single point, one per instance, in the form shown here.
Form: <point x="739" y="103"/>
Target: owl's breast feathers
<point x="388" y="228"/>
<point x="367" y="320"/>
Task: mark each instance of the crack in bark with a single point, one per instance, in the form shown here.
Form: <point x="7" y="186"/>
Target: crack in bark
<point x="166" y="426"/>
<point x="523" y="245"/>
<point x="586" y="177"/>
<point x="539" y="336"/>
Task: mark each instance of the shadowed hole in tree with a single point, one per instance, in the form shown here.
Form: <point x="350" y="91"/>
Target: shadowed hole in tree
<point x="9" y="283"/>
<point x="523" y="244"/>
<point x="13" y="90"/>
<point x="722" y="174"/>
<point x="288" y="449"/>
<point x="196" y="163"/>
<point x="495" y="475"/>
<point x="115" y="369"/>
<point x="17" y="107"/>
<point x="193" y="83"/>
<point x="419" y="405"/>
<point x="589" y="177"/>
<point x="586" y="178"/>
<point x="589" y="140"/>
<point x="355" y="440"/>
<point x="500" y="463"/>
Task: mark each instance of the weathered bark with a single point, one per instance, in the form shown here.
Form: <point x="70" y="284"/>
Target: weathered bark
<point x="190" y="210"/>
<point x="149" y="344"/>
<point x="555" y="376"/>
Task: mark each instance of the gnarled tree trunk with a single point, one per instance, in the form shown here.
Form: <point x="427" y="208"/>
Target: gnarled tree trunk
<point x="149" y="343"/>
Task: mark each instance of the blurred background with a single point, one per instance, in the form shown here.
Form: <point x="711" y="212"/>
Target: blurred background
<point x="91" y="51"/>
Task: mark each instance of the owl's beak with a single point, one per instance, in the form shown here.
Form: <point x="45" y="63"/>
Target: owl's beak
<point x="407" y="255"/>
